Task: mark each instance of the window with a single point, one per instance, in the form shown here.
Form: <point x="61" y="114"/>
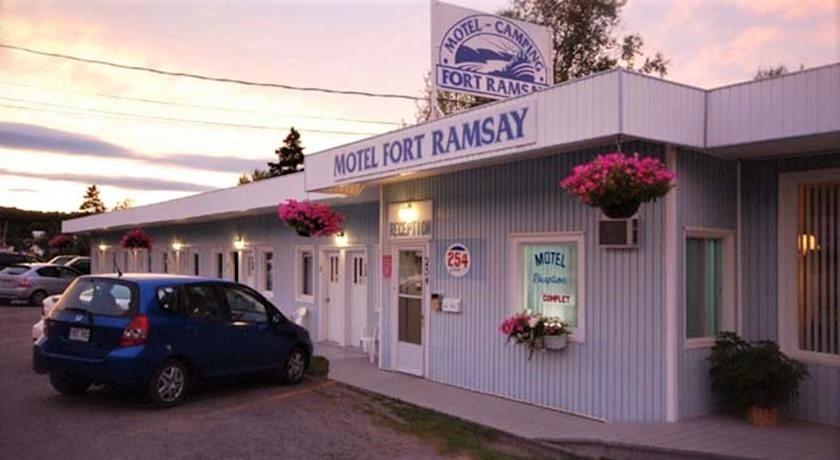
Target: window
<point x="165" y="261"/>
<point x="149" y="261"/>
<point x="67" y="273"/>
<point x="198" y="301"/>
<point x="268" y="271"/>
<point x="244" y="306"/>
<point x="234" y="259"/>
<point x="220" y="265"/>
<point x="548" y="277"/>
<point x="304" y="274"/>
<point x="100" y="297"/>
<point x="196" y="260"/>
<point x="709" y="284"/>
<point x="809" y="266"/>
<point x="818" y="267"/>
<point x="48" y="272"/>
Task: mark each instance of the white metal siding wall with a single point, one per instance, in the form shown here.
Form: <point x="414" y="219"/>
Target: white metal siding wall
<point x="707" y="191"/>
<point x="618" y="373"/>
<point x="661" y="110"/>
<point x="796" y="105"/>
<point x="265" y="231"/>
<point x="820" y="394"/>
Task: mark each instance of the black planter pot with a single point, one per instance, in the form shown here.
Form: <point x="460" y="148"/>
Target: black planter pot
<point x="622" y="210"/>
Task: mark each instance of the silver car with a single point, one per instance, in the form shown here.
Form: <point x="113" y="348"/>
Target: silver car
<point x="34" y="282"/>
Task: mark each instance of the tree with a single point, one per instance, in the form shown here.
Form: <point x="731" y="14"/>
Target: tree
<point x="258" y="174"/>
<point x="771" y="72"/>
<point x="92" y="203"/>
<point x="124" y="204"/>
<point x="289" y="156"/>
<point x="586" y="40"/>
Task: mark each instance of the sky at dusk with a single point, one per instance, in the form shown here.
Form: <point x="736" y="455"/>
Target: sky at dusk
<point x="50" y="150"/>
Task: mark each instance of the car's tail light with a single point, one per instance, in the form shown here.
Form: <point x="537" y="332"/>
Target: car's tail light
<point x="47" y="325"/>
<point x="136" y="332"/>
<point x="23" y="282"/>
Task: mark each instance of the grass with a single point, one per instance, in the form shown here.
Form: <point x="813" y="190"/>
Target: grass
<point x="453" y="436"/>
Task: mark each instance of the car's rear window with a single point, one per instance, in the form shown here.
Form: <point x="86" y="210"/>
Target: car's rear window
<point x="100" y="296"/>
<point x="14" y="270"/>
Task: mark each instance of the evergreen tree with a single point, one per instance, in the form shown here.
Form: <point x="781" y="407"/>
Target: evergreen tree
<point x="258" y="174"/>
<point x="92" y="203"/>
<point x="289" y="156"/>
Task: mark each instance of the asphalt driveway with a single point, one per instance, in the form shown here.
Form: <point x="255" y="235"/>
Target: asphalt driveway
<point x="255" y="419"/>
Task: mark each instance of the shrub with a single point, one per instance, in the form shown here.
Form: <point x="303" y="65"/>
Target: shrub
<point x="748" y="374"/>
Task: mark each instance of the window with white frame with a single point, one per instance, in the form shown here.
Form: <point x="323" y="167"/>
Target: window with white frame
<point x="809" y="265"/>
<point x="709" y="287"/>
<point x="304" y="274"/>
<point x="219" y="261"/>
<point x="268" y="271"/>
<point x="548" y="277"/>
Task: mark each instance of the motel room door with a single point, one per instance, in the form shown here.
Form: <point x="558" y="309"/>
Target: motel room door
<point x="357" y="293"/>
<point x="333" y="298"/>
<point x="411" y="305"/>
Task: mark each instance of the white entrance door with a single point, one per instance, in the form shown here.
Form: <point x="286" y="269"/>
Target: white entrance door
<point x="410" y="300"/>
<point x="334" y="300"/>
<point x="357" y="271"/>
<point x="249" y="269"/>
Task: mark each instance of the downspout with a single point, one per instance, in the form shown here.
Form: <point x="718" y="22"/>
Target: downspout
<point x="739" y="254"/>
<point x="671" y="294"/>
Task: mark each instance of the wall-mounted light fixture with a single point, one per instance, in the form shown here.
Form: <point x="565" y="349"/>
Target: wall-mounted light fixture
<point x="103" y="246"/>
<point x="341" y="239"/>
<point x="807" y="243"/>
<point x="177" y="246"/>
<point x="239" y="243"/>
<point x="407" y="213"/>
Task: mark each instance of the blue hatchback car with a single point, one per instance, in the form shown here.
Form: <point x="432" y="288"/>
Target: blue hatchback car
<point x="161" y="333"/>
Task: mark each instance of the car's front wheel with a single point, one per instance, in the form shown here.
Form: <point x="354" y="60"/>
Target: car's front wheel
<point x="68" y="385"/>
<point x="293" y="368"/>
<point x="37" y="298"/>
<point x="168" y="385"/>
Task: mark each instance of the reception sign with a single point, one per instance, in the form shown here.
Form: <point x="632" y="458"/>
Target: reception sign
<point x="551" y="284"/>
<point x="487" y="55"/>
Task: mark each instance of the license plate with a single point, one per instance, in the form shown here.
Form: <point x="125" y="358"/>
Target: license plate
<point x="79" y="334"/>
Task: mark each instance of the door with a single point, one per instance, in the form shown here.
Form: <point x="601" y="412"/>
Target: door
<point x="333" y="300"/>
<point x="411" y="307"/>
<point x="358" y="291"/>
<point x="206" y="335"/>
<point x="250" y="323"/>
<point x="249" y="269"/>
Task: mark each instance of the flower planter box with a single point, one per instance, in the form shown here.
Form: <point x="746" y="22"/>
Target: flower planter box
<point x="555" y="342"/>
<point x="762" y="416"/>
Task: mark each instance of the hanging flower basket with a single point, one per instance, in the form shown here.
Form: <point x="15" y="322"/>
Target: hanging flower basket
<point x="136" y="239"/>
<point x="618" y="184"/>
<point x="61" y="242"/>
<point x="310" y="219"/>
<point x="536" y="332"/>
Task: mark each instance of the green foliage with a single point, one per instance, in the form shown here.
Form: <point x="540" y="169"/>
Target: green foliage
<point x="748" y="374"/>
<point x="17" y="226"/>
<point x="771" y="72"/>
<point x="257" y="175"/>
<point x="319" y="366"/>
<point x="92" y="202"/>
<point x="289" y="156"/>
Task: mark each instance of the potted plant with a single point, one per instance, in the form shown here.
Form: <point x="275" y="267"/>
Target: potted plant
<point x="310" y="219"/>
<point x="136" y="239"/>
<point x="755" y="378"/>
<point x="618" y="183"/>
<point x="535" y="332"/>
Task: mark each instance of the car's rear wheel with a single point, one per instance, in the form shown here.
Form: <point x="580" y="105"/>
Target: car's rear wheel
<point x="69" y="385"/>
<point x="293" y="368"/>
<point x="37" y="298"/>
<point x="168" y="385"/>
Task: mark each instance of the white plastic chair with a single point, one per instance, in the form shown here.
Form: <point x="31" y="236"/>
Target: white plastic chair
<point x="299" y="315"/>
<point x="370" y="338"/>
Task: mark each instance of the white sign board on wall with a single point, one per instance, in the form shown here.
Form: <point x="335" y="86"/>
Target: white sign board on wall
<point x="488" y="55"/>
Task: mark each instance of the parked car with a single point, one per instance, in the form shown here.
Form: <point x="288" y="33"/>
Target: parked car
<point x="46" y="307"/>
<point x="161" y="333"/>
<point x="61" y="260"/>
<point x="11" y="258"/>
<point x="81" y="264"/>
<point x="34" y="282"/>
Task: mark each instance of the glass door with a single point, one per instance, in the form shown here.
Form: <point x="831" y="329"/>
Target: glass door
<point x="410" y="302"/>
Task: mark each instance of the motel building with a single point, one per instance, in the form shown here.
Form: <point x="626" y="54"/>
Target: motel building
<point x="748" y="240"/>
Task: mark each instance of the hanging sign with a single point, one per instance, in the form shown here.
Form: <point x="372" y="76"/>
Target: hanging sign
<point x="457" y="260"/>
<point x="488" y="55"/>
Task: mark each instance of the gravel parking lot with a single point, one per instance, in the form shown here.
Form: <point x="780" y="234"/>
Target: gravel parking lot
<point x="317" y="419"/>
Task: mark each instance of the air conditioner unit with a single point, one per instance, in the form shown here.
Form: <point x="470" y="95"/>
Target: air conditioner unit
<point x="618" y="233"/>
